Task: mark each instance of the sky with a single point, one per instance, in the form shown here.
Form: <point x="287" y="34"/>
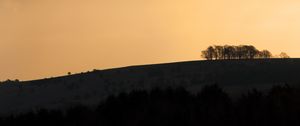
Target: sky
<point x="48" y="38"/>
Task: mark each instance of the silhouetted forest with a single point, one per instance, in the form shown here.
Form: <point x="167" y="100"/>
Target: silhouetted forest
<point x="218" y="52"/>
<point x="176" y="107"/>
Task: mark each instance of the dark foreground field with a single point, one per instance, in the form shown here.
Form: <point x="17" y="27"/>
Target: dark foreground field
<point x="176" y="107"/>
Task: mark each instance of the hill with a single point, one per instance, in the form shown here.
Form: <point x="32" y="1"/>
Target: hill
<point x="90" y="88"/>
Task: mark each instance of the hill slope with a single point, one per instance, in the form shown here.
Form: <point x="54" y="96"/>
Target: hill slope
<point x="92" y="87"/>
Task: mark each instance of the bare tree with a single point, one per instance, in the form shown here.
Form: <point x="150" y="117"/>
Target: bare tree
<point x="239" y="52"/>
<point x="219" y="52"/>
<point x="208" y="53"/>
<point x="283" y="55"/>
<point x="204" y="54"/>
<point x="211" y="52"/>
<point x="252" y="51"/>
<point x="264" y="54"/>
<point x="231" y="52"/>
<point x="244" y="52"/>
<point x="226" y="52"/>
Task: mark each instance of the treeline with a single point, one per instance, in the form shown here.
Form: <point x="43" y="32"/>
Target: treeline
<point x="218" y="52"/>
<point x="177" y="107"/>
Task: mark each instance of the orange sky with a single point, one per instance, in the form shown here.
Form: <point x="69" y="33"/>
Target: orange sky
<point x="43" y="38"/>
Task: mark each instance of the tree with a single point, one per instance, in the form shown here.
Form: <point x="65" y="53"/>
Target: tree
<point x="231" y="52"/>
<point x="283" y="55"/>
<point x="208" y="53"/>
<point x="228" y="52"/>
<point x="204" y="54"/>
<point x="252" y="51"/>
<point x="244" y="52"/>
<point x="264" y="54"/>
<point x="239" y="52"/>
<point x="219" y="52"/>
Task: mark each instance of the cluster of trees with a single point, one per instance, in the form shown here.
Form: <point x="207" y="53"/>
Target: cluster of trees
<point x="171" y="107"/>
<point x="218" y="52"/>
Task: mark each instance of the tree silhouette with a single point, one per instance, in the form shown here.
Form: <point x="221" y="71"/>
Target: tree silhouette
<point x="265" y="54"/>
<point x="251" y="51"/>
<point x="218" y="52"/>
<point x="283" y="55"/>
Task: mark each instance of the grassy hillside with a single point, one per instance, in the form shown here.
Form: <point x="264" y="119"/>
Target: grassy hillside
<point x="92" y="87"/>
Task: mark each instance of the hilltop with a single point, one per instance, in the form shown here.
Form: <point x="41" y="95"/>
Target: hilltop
<point x="91" y="88"/>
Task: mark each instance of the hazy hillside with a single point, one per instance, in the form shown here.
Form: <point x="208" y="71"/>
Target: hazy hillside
<point x="92" y="87"/>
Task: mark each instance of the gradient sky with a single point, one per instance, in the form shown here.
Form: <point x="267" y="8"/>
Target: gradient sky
<point x="44" y="38"/>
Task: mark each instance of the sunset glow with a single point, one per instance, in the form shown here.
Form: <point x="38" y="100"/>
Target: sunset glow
<point x="44" y="38"/>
